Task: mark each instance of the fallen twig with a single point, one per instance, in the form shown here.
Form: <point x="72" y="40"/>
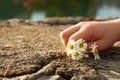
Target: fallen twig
<point x="8" y="67"/>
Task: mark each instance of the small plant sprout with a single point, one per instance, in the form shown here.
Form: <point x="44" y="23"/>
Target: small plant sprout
<point x="95" y="51"/>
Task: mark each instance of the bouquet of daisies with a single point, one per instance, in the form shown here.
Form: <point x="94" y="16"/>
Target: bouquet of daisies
<point x="76" y="49"/>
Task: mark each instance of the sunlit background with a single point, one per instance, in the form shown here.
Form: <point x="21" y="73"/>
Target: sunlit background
<point x="40" y="9"/>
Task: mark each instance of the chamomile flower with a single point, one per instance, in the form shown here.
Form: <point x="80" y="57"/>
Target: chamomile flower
<point x="95" y="51"/>
<point x="70" y="47"/>
<point x="81" y="46"/>
<point x="76" y="49"/>
<point x="76" y="56"/>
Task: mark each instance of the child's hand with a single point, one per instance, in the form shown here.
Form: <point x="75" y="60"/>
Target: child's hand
<point x="103" y="33"/>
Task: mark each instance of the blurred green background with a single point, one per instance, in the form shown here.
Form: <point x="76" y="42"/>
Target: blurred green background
<point x="40" y="9"/>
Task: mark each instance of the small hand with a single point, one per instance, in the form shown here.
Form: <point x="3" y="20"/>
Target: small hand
<point x="103" y="33"/>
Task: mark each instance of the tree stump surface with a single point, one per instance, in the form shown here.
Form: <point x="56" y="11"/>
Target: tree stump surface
<point x="31" y="50"/>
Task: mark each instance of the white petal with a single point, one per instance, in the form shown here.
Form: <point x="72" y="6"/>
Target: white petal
<point x="73" y="57"/>
<point x="97" y="57"/>
<point x="68" y="51"/>
<point x="94" y="45"/>
<point x="71" y="41"/>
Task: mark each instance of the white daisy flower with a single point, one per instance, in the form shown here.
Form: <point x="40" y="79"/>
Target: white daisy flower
<point x="81" y="46"/>
<point x="76" y="49"/>
<point x="70" y="47"/>
<point x="76" y="56"/>
<point x="95" y="51"/>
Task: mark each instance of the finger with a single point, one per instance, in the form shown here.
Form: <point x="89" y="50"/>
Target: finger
<point x="82" y="34"/>
<point x="64" y="35"/>
<point x="103" y="44"/>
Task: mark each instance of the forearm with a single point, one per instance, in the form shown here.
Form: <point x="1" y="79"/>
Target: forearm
<point x="116" y="27"/>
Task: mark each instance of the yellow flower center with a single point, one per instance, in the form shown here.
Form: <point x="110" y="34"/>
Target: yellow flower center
<point x="76" y="54"/>
<point x="80" y="45"/>
<point x="71" y="46"/>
